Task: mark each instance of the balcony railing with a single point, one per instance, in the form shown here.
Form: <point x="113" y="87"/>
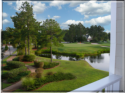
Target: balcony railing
<point x="110" y="84"/>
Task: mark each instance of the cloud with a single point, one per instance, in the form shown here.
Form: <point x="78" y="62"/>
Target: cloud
<point x="68" y="22"/>
<point x="19" y="4"/>
<point x="55" y="17"/>
<point x="48" y="16"/>
<point x="5" y="21"/>
<point x="57" y="3"/>
<point x="93" y="8"/>
<point x="100" y="20"/>
<point x="4" y="15"/>
<point x="39" y="7"/>
<point x="107" y="31"/>
<point x="9" y="3"/>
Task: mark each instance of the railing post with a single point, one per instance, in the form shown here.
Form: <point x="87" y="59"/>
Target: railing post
<point x="116" y="86"/>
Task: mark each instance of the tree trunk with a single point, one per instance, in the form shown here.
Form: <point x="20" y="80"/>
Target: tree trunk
<point x="51" y="53"/>
<point x="25" y="48"/>
<point x="28" y="45"/>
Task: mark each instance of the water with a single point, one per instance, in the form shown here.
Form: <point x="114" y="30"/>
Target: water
<point x="99" y="62"/>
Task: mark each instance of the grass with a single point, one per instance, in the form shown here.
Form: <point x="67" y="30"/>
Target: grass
<point x="84" y="73"/>
<point x="4" y="85"/>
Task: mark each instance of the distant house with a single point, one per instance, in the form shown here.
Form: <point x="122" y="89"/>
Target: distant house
<point x="88" y="37"/>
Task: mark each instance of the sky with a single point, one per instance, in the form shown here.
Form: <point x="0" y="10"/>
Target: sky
<point x="64" y="12"/>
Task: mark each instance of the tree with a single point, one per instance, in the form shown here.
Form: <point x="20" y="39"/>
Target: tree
<point x="52" y="34"/>
<point x="26" y="25"/>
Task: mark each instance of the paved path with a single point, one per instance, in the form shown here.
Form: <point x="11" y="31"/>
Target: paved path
<point x="11" y="58"/>
<point x="32" y="69"/>
<point x="94" y="43"/>
<point x="12" y="87"/>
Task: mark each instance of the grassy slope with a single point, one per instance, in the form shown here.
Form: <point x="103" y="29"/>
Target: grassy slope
<point x="84" y="73"/>
<point x="4" y="85"/>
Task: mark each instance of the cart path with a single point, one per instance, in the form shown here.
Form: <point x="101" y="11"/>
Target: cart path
<point x="12" y="87"/>
<point x="31" y="68"/>
<point x="11" y="58"/>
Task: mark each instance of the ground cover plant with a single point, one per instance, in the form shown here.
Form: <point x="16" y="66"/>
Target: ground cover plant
<point x="31" y="84"/>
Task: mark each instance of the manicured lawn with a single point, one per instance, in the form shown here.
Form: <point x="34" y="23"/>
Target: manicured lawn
<point x="84" y="73"/>
<point x="80" y="48"/>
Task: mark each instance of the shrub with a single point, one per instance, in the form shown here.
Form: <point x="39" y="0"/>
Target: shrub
<point x="28" y="83"/>
<point x="32" y="75"/>
<point x="50" y="65"/>
<point x="28" y="58"/>
<point x="15" y="64"/>
<point x="18" y="77"/>
<point x="4" y="75"/>
<point x="16" y="59"/>
<point x="6" y="47"/>
<point x="39" y="70"/>
<point x="38" y="75"/>
<point x="49" y="73"/>
<point x="21" y="57"/>
<point x="15" y="72"/>
<point x="35" y="83"/>
<point x="41" y="64"/>
<point x="36" y="63"/>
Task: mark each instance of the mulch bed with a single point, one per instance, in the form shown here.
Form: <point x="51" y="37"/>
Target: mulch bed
<point x="3" y="65"/>
<point x="27" y="62"/>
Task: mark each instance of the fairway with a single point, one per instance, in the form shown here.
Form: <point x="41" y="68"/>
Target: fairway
<point x="80" y="48"/>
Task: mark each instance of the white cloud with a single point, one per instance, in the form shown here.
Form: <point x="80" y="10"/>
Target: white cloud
<point x="9" y="3"/>
<point x="5" y="21"/>
<point x="19" y="4"/>
<point x="39" y="7"/>
<point x="107" y="31"/>
<point x="93" y="8"/>
<point x="57" y="3"/>
<point x="48" y="16"/>
<point x="55" y="17"/>
<point x="69" y="22"/>
<point x="4" y="15"/>
<point x="100" y="20"/>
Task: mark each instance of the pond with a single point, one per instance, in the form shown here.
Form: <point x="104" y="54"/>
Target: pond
<point x="99" y="61"/>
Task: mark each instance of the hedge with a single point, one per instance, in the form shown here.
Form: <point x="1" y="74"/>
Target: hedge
<point x="15" y="64"/>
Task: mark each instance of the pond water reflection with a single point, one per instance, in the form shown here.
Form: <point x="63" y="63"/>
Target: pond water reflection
<point x="99" y="61"/>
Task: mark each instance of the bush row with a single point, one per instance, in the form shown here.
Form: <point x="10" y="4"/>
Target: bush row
<point x="15" y="64"/>
<point x="17" y="78"/>
<point x="15" y="72"/>
<point x="31" y="84"/>
<point x="50" y="65"/>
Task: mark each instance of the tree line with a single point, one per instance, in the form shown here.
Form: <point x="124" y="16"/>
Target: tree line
<point x="80" y="33"/>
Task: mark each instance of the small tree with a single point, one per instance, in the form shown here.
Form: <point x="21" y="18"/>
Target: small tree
<point x="53" y="35"/>
<point x="6" y="47"/>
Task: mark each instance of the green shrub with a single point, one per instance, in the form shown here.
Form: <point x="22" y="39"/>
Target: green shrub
<point x="36" y="63"/>
<point x="18" y="77"/>
<point x="28" y="83"/>
<point x="6" y="47"/>
<point x="41" y="64"/>
<point x="32" y="75"/>
<point x="28" y="58"/>
<point x="49" y="73"/>
<point x="15" y="64"/>
<point x="38" y="75"/>
<point x="16" y="59"/>
<point x="50" y="65"/>
<point x="39" y="70"/>
<point x="4" y="75"/>
<point x="15" y="72"/>
<point x="49" y="78"/>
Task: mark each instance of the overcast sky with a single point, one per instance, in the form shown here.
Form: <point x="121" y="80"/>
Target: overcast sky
<point x="64" y="12"/>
